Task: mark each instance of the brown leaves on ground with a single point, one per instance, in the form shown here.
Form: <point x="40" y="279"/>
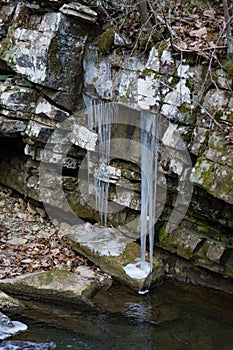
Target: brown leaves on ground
<point x="189" y="26"/>
<point x="29" y="242"/>
<point x="38" y="254"/>
<point x="202" y="31"/>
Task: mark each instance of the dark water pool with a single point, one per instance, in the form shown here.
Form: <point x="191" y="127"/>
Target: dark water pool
<point x="173" y="316"/>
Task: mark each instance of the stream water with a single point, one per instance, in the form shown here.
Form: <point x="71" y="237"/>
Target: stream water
<point x="173" y="316"/>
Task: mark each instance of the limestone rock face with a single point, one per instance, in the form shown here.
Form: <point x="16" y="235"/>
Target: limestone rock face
<point x="141" y="87"/>
<point x="215" y="178"/>
<point x="58" y="68"/>
<point x="47" y="49"/>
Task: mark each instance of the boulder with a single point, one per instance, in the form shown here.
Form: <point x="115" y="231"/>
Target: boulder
<point x="9" y="303"/>
<point x="47" y="49"/>
<point x="57" y="285"/>
<point x="115" y="254"/>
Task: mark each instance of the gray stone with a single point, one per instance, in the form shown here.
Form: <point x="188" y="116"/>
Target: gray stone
<point x="38" y="131"/>
<point x="126" y="198"/>
<point x="45" y="52"/>
<point x="113" y="253"/>
<point x="57" y="285"/>
<point x="174" y="99"/>
<point x="83" y="137"/>
<point x="214" y="178"/>
<point x="215" y="100"/>
<point x="80" y="11"/>
<point x="187" y="243"/>
<point x="17" y="101"/>
<point x="153" y="60"/>
<point x="148" y="92"/>
<point x="224" y="80"/>
<point x="11" y="126"/>
<point x="46" y="109"/>
<point x="172" y="138"/>
<point x="9" y="303"/>
<point x="17" y="240"/>
<point x="199" y="140"/>
<point x="215" y="251"/>
<point x="121" y="40"/>
<point x="227" y="260"/>
<point x="218" y="151"/>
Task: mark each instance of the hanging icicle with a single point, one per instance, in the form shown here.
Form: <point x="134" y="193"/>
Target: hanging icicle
<point x="101" y="117"/>
<point x="149" y="130"/>
<point x="149" y="135"/>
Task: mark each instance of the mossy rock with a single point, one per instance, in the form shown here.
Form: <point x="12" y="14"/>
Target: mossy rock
<point x="215" y="178"/>
<point x="106" y="41"/>
<point x="52" y="285"/>
<point x="163" y="234"/>
<point x="112" y="252"/>
<point x="209" y="230"/>
<point x="228" y="66"/>
<point x="161" y="46"/>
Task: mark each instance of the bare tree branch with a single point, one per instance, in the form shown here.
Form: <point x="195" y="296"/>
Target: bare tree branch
<point x="228" y="29"/>
<point x="143" y="12"/>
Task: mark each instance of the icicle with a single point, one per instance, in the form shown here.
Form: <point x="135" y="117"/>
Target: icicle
<point x="101" y="116"/>
<point x="89" y="105"/>
<point x="101" y="179"/>
<point x="104" y="116"/>
<point x="149" y="127"/>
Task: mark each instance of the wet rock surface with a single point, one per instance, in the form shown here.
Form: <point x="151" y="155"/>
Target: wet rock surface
<point x="58" y="285"/>
<point x="113" y="252"/>
<point x="25" y="345"/>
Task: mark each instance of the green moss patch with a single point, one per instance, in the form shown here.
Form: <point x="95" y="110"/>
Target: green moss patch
<point x="106" y="41"/>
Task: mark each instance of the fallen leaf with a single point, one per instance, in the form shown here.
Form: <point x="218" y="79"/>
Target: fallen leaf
<point x="26" y="261"/>
<point x="199" y="32"/>
<point x="209" y="13"/>
<point x="212" y="44"/>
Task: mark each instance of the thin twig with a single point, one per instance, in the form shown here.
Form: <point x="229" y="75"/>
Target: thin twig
<point x="228" y="28"/>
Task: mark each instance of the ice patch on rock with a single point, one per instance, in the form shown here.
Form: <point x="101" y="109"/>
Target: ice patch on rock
<point x="9" y="328"/>
<point x="102" y="240"/>
<point x="25" y="345"/>
<point x="138" y="270"/>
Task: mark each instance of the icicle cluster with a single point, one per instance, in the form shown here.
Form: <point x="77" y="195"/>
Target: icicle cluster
<point x="101" y="117"/>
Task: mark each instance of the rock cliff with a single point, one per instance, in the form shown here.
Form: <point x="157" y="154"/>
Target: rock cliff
<point x="60" y="71"/>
